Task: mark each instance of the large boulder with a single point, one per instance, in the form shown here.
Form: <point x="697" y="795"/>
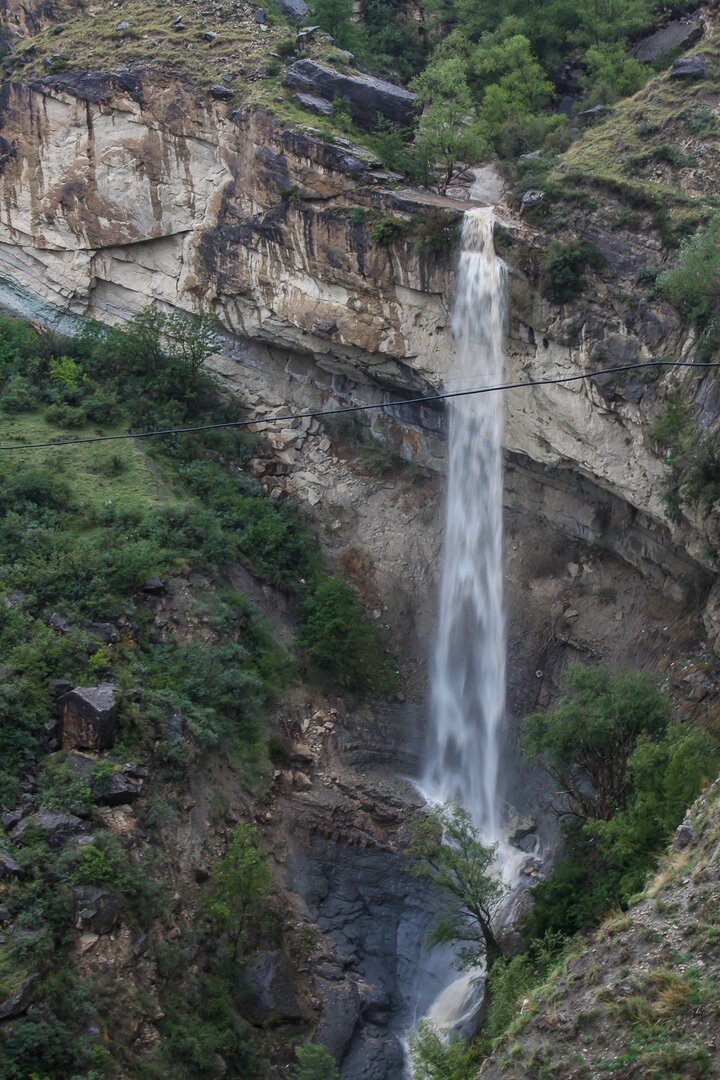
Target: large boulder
<point x="689" y="67"/>
<point x="97" y="910"/>
<point x="679" y="34"/>
<point x="18" y="1003"/>
<point x="268" y="980"/>
<point x="57" y="828"/>
<point x="296" y="10"/>
<point x="89" y="717"/>
<point x="367" y="98"/>
<point x="9" y="867"/>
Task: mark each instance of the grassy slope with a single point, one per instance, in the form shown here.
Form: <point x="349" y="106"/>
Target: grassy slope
<point x="640" y="999"/>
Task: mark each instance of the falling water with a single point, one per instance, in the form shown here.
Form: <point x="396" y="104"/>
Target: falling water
<point x="468" y="676"/>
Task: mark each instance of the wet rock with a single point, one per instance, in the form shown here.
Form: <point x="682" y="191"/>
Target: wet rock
<point x="296" y="10"/>
<point x="341" y="1013"/>
<point x="96" y="910"/>
<point x="367" y="98"/>
<point x="89" y="717"/>
<point x="9" y="867"/>
<point x="689" y="67"/>
<point x="18" y="1003"/>
<point x="269" y="980"/>
<point x="58" y="828"/>
<point x="680" y="34"/>
<point x="155" y="586"/>
<point x="521" y="827"/>
<point x="313" y="104"/>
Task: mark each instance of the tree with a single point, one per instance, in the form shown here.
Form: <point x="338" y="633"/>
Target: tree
<point x="446" y="851"/>
<point x="334" y="16"/>
<point x="447" y="131"/>
<point x="436" y="1057"/>
<point x="585" y="743"/>
<point x="239" y="892"/>
<point x="314" y="1062"/>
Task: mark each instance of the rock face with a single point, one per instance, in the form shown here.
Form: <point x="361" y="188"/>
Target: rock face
<point x="680" y="34"/>
<point x="269" y="980"/>
<point x="57" y="828"/>
<point x="97" y="910"/>
<point x="367" y="98"/>
<point x="89" y="717"/>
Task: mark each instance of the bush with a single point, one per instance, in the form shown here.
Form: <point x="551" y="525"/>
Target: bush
<point x="386" y="230"/>
<point x="338" y="637"/>
<point x="564" y="268"/>
<point x="314" y="1062"/>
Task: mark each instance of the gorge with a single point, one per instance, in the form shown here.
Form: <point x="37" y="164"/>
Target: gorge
<point x="333" y="280"/>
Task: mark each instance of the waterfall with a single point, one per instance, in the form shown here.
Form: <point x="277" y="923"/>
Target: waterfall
<point x="468" y="672"/>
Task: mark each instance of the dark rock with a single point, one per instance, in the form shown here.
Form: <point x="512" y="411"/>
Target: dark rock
<point x="596" y="113"/>
<point x="179" y="26"/>
<point x="58" y="828"/>
<point x="209" y="35"/>
<point x="175" y="728"/>
<point x="325" y="327"/>
<point x="5" y="915"/>
<point x="202" y="873"/>
<point x="10" y="819"/>
<point x="19" y="1002"/>
<point x="97" y="910"/>
<point x="89" y="717"/>
<point x="95" y="87"/>
<point x="689" y="67"/>
<point x="268" y="978"/>
<point x="220" y="93"/>
<point x="684" y="836"/>
<point x="138" y="772"/>
<point x="118" y="790"/>
<point x="367" y="98"/>
<point x="59" y="623"/>
<point x="681" y="34"/>
<point x="9" y="868"/>
<point x="296" y="10"/>
<point x="60" y="687"/>
<point x="306" y="34"/>
<point x="313" y="104"/>
<point x="633" y="391"/>
<point x="155" y="586"/>
<point x="341" y="1013"/>
<point x="260" y="17"/>
<point x="29" y="49"/>
<point x="79" y="764"/>
<point x="108" y="633"/>
<point x="531" y="198"/>
<point x="58" y="29"/>
<point x="15" y="597"/>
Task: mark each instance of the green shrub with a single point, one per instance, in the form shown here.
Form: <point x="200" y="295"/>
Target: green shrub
<point x="435" y="232"/>
<point x="340" y="640"/>
<point x="314" y="1062"/>
<point x="703" y="122"/>
<point x="564" y="268"/>
<point x="387" y="229"/>
<point x="19" y="395"/>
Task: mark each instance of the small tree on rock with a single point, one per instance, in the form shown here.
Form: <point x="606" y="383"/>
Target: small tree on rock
<point x="239" y="892"/>
<point x="447" y="851"/>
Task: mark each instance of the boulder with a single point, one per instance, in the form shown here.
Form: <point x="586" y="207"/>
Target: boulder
<point x="341" y="1012"/>
<point x="296" y="10"/>
<point x="107" y="633"/>
<point x="220" y="93"/>
<point x="9" y="867"/>
<point x="367" y="98"/>
<point x="118" y="790"/>
<point x="10" y="819"/>
<point x="89" y="717"/>
<point x="260" y="17"/>
<point x="533" y="197"/>
<point x="268" y="979"/>
<point x="59" y="623"/>
<point x="689" y="67"/>
<point x="313" y="104"/>
<point x="684" y="836"/>
<point x="679" y="34"/>
<point x="18" y="1002"/>
<point x="155" y="586"/>
<point x="96" y="910"/>
<point x="520" y="828"/>
<point x="58" y="828"/>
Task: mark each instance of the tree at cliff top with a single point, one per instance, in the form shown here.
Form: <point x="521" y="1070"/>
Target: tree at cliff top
<point x="446" y="851"/>
<point x="447" y="131"/>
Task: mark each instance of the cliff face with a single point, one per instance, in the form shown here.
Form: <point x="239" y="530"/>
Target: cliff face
<point x="120" y="190"/>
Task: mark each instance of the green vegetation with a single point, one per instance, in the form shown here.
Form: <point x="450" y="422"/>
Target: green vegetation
<point x="564" y="268"/>
<point x="693" y="286"/>
<point x="386" y="230"/>
<point x="82" y="531"/>
<point x="314" y="1062"/>
<point x="627" y="775"/>
<point x="446" y="851"/>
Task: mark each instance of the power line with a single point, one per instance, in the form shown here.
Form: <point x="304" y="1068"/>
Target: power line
<point x="360" y="408"/>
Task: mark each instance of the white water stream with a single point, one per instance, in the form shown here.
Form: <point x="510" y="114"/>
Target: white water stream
<point x="468" y="675"/>
<point x="468" y="672"/>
